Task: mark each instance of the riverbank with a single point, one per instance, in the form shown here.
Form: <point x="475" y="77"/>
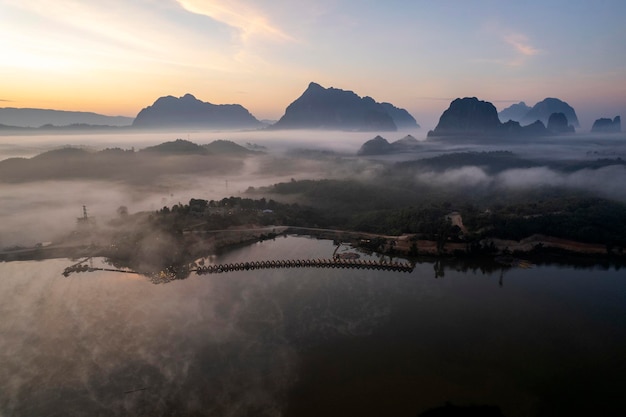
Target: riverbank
<point x="539" y="248"/>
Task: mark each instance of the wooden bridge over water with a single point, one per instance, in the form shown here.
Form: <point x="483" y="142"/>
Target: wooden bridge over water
<point x="307" y="263"/>
<point x="271" y="264"/>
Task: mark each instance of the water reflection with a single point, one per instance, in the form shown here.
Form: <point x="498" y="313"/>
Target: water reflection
<point x="311" y="341"/>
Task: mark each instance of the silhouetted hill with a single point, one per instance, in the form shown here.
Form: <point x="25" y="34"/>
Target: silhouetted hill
<point x="537" y="128"/>
<point x="179" y="146"/>
<point x="227" y="147"/>
<point x="376" y="146"/>
<point x="401" y="117"/>
<point x="606" y="125"/>
<point x="27" y="117"/>
<point x="467" y="116"/>
<point x="380" y="146"/>
<point x="67" y="152"/>
<point x="515" y="112"/>
<point x="472" y="117"/>
<point x="406" y="142"/>
<point x="187" y="111"/>
<point x="495" y="162"/>
<point x="557" y="123"/>
<point x="543" y="110"/>
<point x="179" y="157"/>
<point x="333" y="108"/>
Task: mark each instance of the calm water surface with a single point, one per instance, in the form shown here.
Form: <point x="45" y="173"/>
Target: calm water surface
<point x="310" y="342"/>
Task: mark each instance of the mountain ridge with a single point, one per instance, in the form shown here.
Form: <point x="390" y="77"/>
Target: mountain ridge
<point x="34" y="118"/>
<point x="336" y="109"/>
<point x="188" y="111"/>
<point x="542" y="111"/>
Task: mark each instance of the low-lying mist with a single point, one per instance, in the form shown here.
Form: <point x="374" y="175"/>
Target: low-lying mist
<point x="116" y="345"/>
<point x="604" y="182"/>
<point x="44" y="206"/>
<point x="27" y="146"/>
<point x="43" y="197"/>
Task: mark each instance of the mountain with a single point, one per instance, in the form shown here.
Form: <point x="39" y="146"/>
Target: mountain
<point x="513" y="128"/>
<point x="187" y="111"/>
<point x="227" y="147"/>
<point x="401" y="117"/>
<point x="147" y="166"/>
<point x="67" y="152"/>
<point x="472" y="117"/>
<point x="179" y="146"/>
<point x="34" y="118"/>
<point x="543" y="110"/>
<point x="607" y="125"/>
<point x="336" y="109"/>
<point x="376" y="146"/>
<point x="467" y="116"/>
<point x="381" y="146"/>
<point x="557" y="123"/>
<point x="515" y="112"/>
<point x="406" y="142"/>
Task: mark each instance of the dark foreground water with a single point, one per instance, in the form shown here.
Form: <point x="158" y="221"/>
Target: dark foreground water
<point x="545" y="341"/>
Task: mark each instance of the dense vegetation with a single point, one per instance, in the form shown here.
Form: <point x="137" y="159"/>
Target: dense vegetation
<point x="397" y="202"/>
<point x="367" y="207"/>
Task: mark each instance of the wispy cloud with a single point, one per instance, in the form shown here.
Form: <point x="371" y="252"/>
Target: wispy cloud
<point x="241" y="15"/>
<point x="522" y="49"/>
<point x="72" y="36"/>
<point x="521" y="44"/>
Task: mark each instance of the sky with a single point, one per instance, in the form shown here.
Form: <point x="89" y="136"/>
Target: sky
<point x="116" y="57"/>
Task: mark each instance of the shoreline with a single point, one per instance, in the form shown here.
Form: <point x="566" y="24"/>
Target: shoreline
<point x="538" y="248"/>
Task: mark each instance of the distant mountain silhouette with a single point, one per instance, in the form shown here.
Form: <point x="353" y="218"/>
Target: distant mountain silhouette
<point x="467" y="116"/>
<point x="606" y="125"/>
<point x="142" y="167"/>
<point x="333" y="108"/>
<point x="185" y="147"/>
<point x="472" y="117"/>
<point x="227" y="147"/>
<point x="543" y="110"/>
<point x="376" y="146"/>
<point x="189" y="112"/>
<point x="380" y="146"/>
<point x="35" y="118"/>
<point x="179" y="146"/>
<point x="67" y="152"/>
<point x="557" y="123"/>
<point x="513" y="128"/>
<point x="401" y="117"/>
<point x="515" y="112"/>
<point x="406" y="142"/>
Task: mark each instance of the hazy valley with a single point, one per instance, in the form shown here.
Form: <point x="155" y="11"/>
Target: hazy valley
<point x="482" y="218"/>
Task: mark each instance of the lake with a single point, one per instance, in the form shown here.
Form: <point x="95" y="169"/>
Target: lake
<point x="543" y="341"/>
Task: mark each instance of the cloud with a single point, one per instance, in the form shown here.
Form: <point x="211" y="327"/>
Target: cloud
<point x="521" y="44"/>
<point x="531" y="177"/>
<point x="601" y="182"/>
<point x="521" y="47"/>
<point x="514" y="47"/>
<point x="468" y="176"/>
<point x="240" y="15"/>
<point x="72" y="37"/>
<point x="522" y="50"/>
